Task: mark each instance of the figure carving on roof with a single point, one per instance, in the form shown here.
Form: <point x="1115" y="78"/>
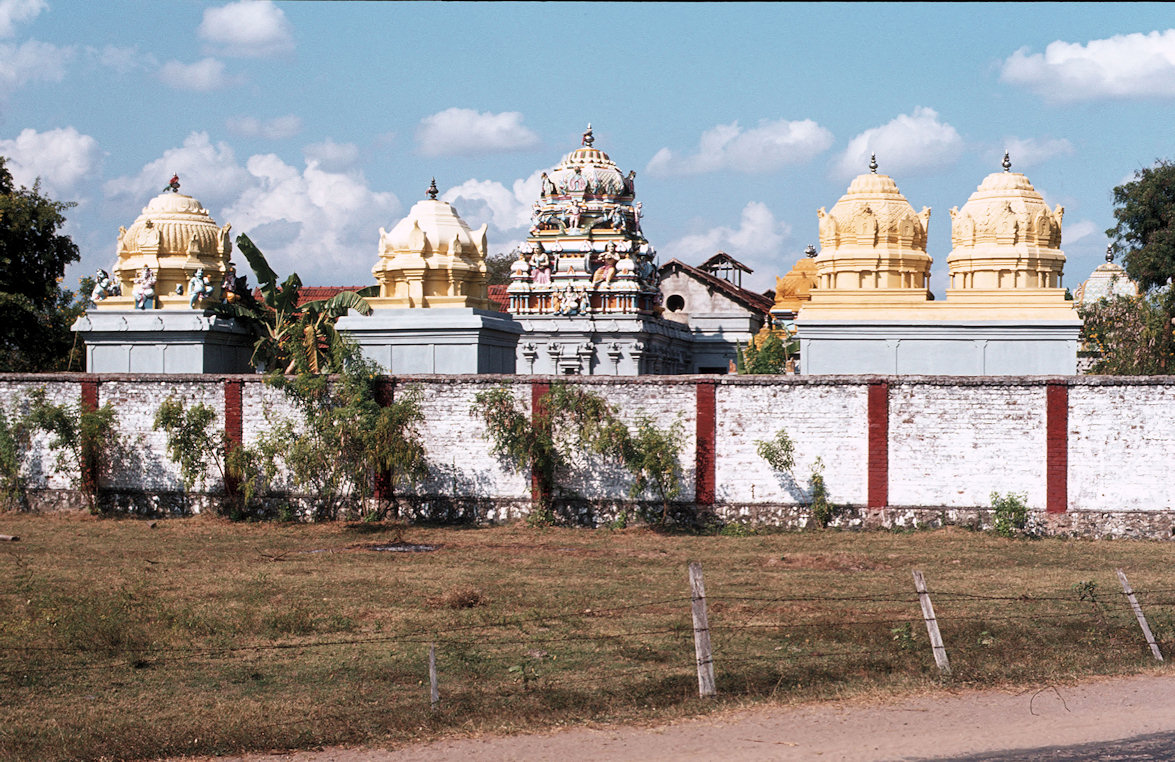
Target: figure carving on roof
<point x="199" y="288"/>
<point x="548" y="185"/>
<point x="572" y="215"/>
<point x="828" y="238"/>
<point x="144" y="290"/>
<point x="630" y="183"/>
<point x="104" y="286"/>
<point x="617" y="219"/>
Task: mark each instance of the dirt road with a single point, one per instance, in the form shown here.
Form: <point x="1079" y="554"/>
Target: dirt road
<point x="933" y="726"/>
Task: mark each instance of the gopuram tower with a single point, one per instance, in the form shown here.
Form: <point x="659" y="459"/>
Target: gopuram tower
<point x="584" y="286"/>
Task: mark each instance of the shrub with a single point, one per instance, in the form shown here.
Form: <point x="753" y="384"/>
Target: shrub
<point x="1011" y="513"/>
<point x="82" y="440"/>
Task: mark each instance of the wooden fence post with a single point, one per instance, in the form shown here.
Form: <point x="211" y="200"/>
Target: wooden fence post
<point x="702" y="652"/>
<point x="1146" y="630"/>
<point x="940" y="651"/>
<point x="433" y="693"/>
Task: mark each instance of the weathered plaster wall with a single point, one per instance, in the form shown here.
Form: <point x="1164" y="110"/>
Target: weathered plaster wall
<point x="1097" y="451"/>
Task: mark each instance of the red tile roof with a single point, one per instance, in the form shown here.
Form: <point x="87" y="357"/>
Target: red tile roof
<point x="500" y="298"/>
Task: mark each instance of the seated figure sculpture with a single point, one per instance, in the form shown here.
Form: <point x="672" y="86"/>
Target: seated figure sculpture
<point x="144" y="289"/>
<point x="104" y="286"/>
<point x="199" y="288"/>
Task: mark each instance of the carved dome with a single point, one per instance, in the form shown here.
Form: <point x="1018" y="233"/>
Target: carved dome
<point x="873" y="239"/>
<point x="1005" y="236"/>
<point x="431" y="259"/>
<point x="174" y="236"/>
<point x="1106" y="282"/>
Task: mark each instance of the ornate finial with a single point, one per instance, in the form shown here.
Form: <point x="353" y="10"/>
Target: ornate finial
<point x="1007" y="163"/>
<point x="1110" y="253"/>
<point x="873" y="163"/>
<point x="588" y="139"/>
<point x="810" y="252"/>
<point x="432" y="189"/>
<point x="173" y="184"/>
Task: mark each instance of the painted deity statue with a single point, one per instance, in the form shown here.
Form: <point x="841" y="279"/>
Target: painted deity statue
<point x="144" y="289"/>
<point x="542" y="267"/>
<point x="199" y="288"/>
<point x="104" y="286"/>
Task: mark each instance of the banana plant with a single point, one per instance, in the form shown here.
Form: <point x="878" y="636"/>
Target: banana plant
<point x="295" y="337"/>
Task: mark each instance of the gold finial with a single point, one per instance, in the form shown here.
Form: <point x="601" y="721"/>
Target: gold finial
<point x="432" y="189"/>
<point x="873" y="163"/>
<point x="1007" y="163"/>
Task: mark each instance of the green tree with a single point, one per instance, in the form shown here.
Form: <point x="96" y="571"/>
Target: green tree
<point x="1145" y="233"/>
<point x="766" y="354"/>
<point x="291" y="336"/>
<point x="35" y="312"/>
<point x="1130" y="335"/>
<point x="498" y="268"/>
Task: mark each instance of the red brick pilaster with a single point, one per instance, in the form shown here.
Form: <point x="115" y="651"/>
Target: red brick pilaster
<point x="233" y="424"/>
<point x="1057" y="448"/>
<point x="705" y="437"/>
<point x="89" y="464"/>
<point x="539" y="491"/>
<point x="878" y="468"/>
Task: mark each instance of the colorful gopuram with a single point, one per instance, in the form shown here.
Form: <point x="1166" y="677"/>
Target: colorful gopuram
<point x="584" y="285"/>
<point x="1005" y="311"/>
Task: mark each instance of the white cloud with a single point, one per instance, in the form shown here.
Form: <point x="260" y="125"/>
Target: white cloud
<point x="13" y="12"/>
<point x="123" y="59"/>
<point x="1123" y="66"/>
<point x="249" y="28"/>
<point x="332" y="156"/>
<point x="757" y="242"/>
<point x="277" y="128"/>
<point x="486" y="201"/>
<point x="910" y="143"/>
<point x="62" y="158"/>
<point x="323" y="225"/>
<point x="465" y="132"/>
<point x="1072" y="233"/>
<point x="32" y="61"/>
<point x="208" y="171"/>
<point x="765" y="148"/>
<point x="1028" y="152"/>
<point x="202" y="76"/>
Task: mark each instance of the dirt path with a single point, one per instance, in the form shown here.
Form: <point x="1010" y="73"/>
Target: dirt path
<point x="931" y="726"/>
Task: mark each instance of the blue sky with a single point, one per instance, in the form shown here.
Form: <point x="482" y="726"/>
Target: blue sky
<point x="310" y="125"/>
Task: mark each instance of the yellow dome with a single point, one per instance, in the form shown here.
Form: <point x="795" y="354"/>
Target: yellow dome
<point x="431" y="259"/>
<point x="873" y="239"/>
<point x="1006" y="237"/>
<point x="174" y="236"/>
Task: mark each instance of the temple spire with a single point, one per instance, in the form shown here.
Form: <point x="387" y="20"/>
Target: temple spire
<point x="432" y="189"/>
<point x="588" y="138"/>
<point x="1007" y="163"/>
<point x="873" y="163"/>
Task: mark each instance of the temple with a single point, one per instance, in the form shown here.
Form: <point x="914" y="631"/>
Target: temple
<point x="585" y="284"/>
<point x="149" y="316"/>
<point x="1005" y="312"/>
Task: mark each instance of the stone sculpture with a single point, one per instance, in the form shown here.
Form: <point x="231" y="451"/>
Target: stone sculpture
<point x="144" y="289"/>
<point x="104" y="286"/>
<point x="199" y="288"/>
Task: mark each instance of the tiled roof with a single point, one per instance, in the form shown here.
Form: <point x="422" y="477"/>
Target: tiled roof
<point x="500" y="298"/>
<point x="759" y="303"/>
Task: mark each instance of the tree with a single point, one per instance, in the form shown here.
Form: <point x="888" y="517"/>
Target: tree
<point x="766" y="353"/>
<point x="498" y="268"/>
<point x="1130" y="335"/>
<point x="35" y="312"/>
<point x="1145" y="233"/>
<point x="290" y="335"/>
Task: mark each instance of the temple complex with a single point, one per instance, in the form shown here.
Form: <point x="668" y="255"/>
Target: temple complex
<point x="433" y="313"/>
<point x="585" y="284"/>
<point x="1005" y="310"/>
<point x="149" y="316"/>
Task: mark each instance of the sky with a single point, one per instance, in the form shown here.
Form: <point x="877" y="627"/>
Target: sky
<point x="311" y="125"/>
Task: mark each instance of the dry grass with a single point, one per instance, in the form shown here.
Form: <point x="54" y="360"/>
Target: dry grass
<point x="119" y="640"/>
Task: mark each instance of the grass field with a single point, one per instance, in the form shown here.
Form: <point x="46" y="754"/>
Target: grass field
<point x="123" y="638"/>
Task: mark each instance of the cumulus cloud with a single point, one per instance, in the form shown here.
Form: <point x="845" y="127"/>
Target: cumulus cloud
<point x="1072" y="233"/>
<point x="250" y="28"/>
<point x="324" y="225"/>
<point x="489" y="202"/>
<point x="757" y="242"/>
<point x="207" y="171"/>
<point x="202" y="76"/>
<point x="910" y="143"/>
<point x="1123" y="66"/>
<point x="13" y="12"/>
<point x="766" y="148"/>
<point x="277" y="128"/>
<point x="61" y="158"/>
<point x="32" y="61"/>
<point x="332" y="156"/>
<point x="123" y="59"/>
<point x="465" y="132"/>
<point x="1028" y="152"/>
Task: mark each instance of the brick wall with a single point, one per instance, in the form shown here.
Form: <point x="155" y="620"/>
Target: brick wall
<point x="1092" y="455"/>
